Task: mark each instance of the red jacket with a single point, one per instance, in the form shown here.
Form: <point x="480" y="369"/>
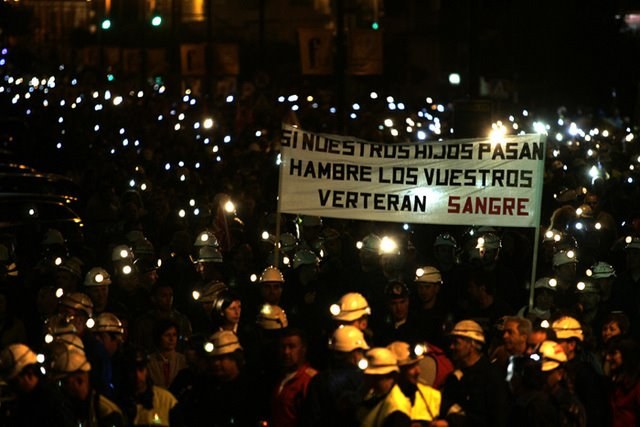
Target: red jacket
<point x="625" y="405"/>
<point x="288" y="396"/>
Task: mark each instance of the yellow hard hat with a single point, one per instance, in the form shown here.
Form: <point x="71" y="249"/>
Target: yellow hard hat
<point x="350" y="307"/>
<point x="347" y="338"/>
<point x="468" y="329"/>
<point x="379" y="361"/>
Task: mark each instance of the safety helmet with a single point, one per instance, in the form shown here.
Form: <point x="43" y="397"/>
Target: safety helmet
<point x="145" y="264"/>
<point x="78" y="301"/>
<point x="222" y="342"/>
<point x="546" y="283"/>
<point x="370" y="243"/>
<point x="52" y="237"/>
<point x="287" y="242"/>
<point x="405" y="354"/>
<point x="632" y="242"/>
<point x="271" y="274"/>
<point x="272" y="317"/>
<point x="58" y="324"/>
<point x="584" y="211"/>
<point x="552" y="235"/>
<point x="445" y="239"/>
<point x="347" y="338"/>
<point x="70" y="340"/>
<point x="122" y="253"/>
<point x="567" y="327"/>
<point x="468" y="329"/>
<point x="65" y="361"/>
<point x="552" y="355"/>
<point x="209" y="254"/>
<point x="143" y="248"/>
<point x="206" y="238"/>
<point x="73" y="265"/>
<point x="379" y="361"/>
<point x="14" y="358"/>
<point x="564" y="257"/>
<point x="304" y="257"/>
<point x="396" y="290"/>
<point x="601" y="270"/>
<point x="108" y="322"/>
<point x="210" y="292"/>
<point x="587" y="286"/>
<point x="428" y="274"/>
<point x="488" y="241"/>
<point x="97" y="276"/>
<point x="350" y="307"/>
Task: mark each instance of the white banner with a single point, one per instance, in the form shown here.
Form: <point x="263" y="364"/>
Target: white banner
<point x="463" y="182"/>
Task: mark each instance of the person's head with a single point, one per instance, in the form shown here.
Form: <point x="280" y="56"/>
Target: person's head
<point x="71" y="367"/>
<point x="162" y="297"/>
<point x="467" y="339"/>
<point x="109" y="330"/>
<point x="228" y="309"/>
<point x="593" y="201"/>
<point x="564" y="265"/>
<point x="292" y="349"/>
<point x="351" y="309"/>
<point x="380" y="369"/>
<point x="623" y="355"/>
<point x="397" y="295"/>
<point x="568" y="334"/>
<point x="480" y="286"/>
<point x="444" y="251"/>
<point x="408" y="361"/>
<point x="537" y="336"/>
<point x="348" y="344"/>
<point x="165" y="335"/>
<point x="603" y="274"/>
<point x="208" y="295"/>
<point x="96" y="286"/>
<point x="208" y="263"/>
<point x="369" y="252"/>
<point x="616" y="323"/>
<point x="428" y="281"/>
<point x="514" y="334"/>
<point x="18" y="366"/>
<point x="225" y="355"/>
<point x="553" y="358"/>
<point x="271" y="283"/>
<point x="544" y="293"/>
<point x="78" y="307"/>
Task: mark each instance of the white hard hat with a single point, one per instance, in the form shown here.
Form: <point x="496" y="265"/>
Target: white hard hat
<point x="73" y="265"/>
<point x="546" y="283"/>
<point x="347" y="338"/>
<point x="14" y="358"/>
<point x="380" y="361"/>
<point x="488" y="241"/>
<point x="206" y="238"/>
<point x="70" y="340"/>
<point x="209" y="254"/>
<point x="78" y="301"/>
<point x="222" y="342"/>
<point x="271" y="274"/>
<point x="405" y="354"/>
<point x="108" y="322"/>
<point x="210" y="292"/>
<point x="588" y="286"/>
<point x="67" y="361"/>
<point x="287" y="242"/>
<point x="305" y="257"/>
<point x="567" y="327"/>
<point x="601" y="270"/>
<point x="272" y="317"/>
<point x="564" y="257"/>
<point x="428" y="274"/>
<point x="97" y="276"/>
<point x="632" y="242"/>
<point x="445" y="239"/>
<point x="350" y="307"/>
<point x="468" y="329"/>
<point x="53" y="237"/>
<point x="552" y="355"/>
<point x="122" y="253"/>
<point x="59" y="324"/>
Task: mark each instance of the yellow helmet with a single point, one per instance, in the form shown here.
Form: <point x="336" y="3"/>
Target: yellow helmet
<point x="567" y="327"/>
<point x="405" y="354"/>
<point x="108" y="322"/>
<point x="552" y="355"/>
<point x="272" y="317"/>
<point x="14" y="359"/>
<point x="78" y="301"/>
<point x="271" y="274"/>
<point x="468" y="329"/>
<point x="67" y="360"/>
<point x="97" y="276"/>
<point x="379" y="361"/>
<point x="347" y="338"/>
<point x="222" y="342"/>
<point x="350" y="307"/>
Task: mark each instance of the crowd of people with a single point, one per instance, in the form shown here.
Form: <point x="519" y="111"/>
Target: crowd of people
<point x="185" y="299"/>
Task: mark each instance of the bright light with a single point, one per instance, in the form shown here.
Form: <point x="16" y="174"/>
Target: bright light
<point x="229" y="207"/>
<point x="454" y="79"/>
<point x="388" y="245"/>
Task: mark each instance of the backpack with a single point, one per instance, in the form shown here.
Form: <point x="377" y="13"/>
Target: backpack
<point x="435" y="367"/>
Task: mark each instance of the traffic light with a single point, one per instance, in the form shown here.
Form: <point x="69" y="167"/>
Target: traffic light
<point x="105" y="24"/>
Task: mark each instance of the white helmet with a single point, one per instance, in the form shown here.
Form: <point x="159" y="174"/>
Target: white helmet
<point x="70" y="340"/>
<point x="601" y="270"/>
<point x="14" y="358"/>
<point x="370" y="243"/>
<point x="552" y="355"/>
<point x="122" y="253"/>
<point x="350" y="307"/>
<point x="272" y="317"/>
<point x="405" y="354"/>
<point x="632" y="242"/>
<point x="58" y="324"/>
<point x="210" y="292"/>
<point x="428" y="274"/>
<point x="564" y="257"/>
<point x="379" y="361"/>
<point x="78" y="301"/>
<point x="488" y="241"/>
<point x="271" y="274"/>
<point x="222" y="342"/>
<point x="567" y="327"/>
<point x="546" y="283"/>
<point x="468" y="329"/>
<point x="206" y="238"/>
<point x="97" y="276"/>
<point x="347" y="338"/>
<point x="67" y="361"/>
<point x="108" y="322"/>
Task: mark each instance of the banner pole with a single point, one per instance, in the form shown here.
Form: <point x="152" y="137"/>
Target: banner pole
<point x="534" y="266"/>
<point x="276" y="251"/>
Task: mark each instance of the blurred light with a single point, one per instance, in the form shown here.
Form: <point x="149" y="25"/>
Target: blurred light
<point x="454" y="79"/>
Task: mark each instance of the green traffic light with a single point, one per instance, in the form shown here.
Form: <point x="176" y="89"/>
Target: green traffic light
<point x="156" y="21"/>
<point x="106" y="24"/>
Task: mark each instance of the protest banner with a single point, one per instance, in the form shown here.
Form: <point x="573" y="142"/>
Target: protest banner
<point x="458" y="182"/>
